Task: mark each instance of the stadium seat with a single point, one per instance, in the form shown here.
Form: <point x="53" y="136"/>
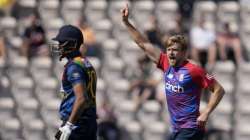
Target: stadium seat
<point x="34" y="129"/>
<point x="2" y="65"/>
<point x="206" y="8"/>
<point x="26" y="7"/>
<point x="50" y="133"/>
<point x="141" y="11"/>
<point x="241" y="136"/>
<point x="121" y="85"/>
<point x="103" y="29"/>
<point x="150" y="112"/>
<point x="242" y="133"/>
<point x="134" y="130"/>
<point x="130" y="51"/>
<point x="243" y="96"/>
<point x="110" y="48"/>
<point x="156" y="131"/>
<point x="29" y="3"/>
<point x="51" y="107"/>
<point x="120" y="32"/>
<point x="48" y="85"/>
<point x="11" y="129"/>
<point x="52" y="26"/>
<point x="118" y="90"/>
<point x="48" y="9"/>
<point x="221" y="118"/>
<point x="4" y="85"/>
<point x="52" y="121"/>
<point x="95" y="10"/>
<point x="28" y="109"/>
<point x="18" y="67"/>
<point x="22" y="88"/>
<point x="166" y="11"/>
<point x="125" y="111"/>
<point x="228" y="11"/>
<point x="16" y="42"/>
<point x="244" y="35"/>
<point x="114" y="11"/>
<point x="101" y="85"/>
<point x="165" y="116"/>
<point x="113" y="70"/>
<point x="244" y="11"/>
<point x="8" y="25"/>
<point x="6" y="107"/>
<point x="47" y="89"/>
<point x="224" y="71"/>
<point x="72" y="11"/>
<point x="243" y="73"/>
<point x="100" y="92"/>
<point x="242" y="127"/>
<point x="41" y="67"/>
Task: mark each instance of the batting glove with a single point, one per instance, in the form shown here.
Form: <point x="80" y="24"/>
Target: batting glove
<point x="66" y="131"/>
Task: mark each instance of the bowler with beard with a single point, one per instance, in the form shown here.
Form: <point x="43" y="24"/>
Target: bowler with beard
<point x="184" y="82"/>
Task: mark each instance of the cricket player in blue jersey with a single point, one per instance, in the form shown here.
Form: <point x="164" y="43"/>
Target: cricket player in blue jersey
<point x="184" y="82"/>
<point x="78" y="107"/>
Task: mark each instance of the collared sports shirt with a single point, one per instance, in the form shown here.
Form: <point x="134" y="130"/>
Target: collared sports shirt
<point x="76" y="71"/>
<point x="183" y="87"/>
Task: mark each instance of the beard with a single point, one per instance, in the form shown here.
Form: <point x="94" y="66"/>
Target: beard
<point x="172" y="62"/>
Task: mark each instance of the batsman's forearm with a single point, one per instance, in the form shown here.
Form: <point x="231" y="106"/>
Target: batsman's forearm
<point x="77" y="110"/>
<point x="214" y="99"/>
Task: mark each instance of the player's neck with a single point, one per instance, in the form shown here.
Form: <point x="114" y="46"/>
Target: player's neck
<point x="78" y="58"/>
<point x="181" y="63"/>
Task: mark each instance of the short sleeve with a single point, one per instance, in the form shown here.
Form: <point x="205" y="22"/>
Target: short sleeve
<point x="208" y="80"/>
<point x="212" y="36"/>
<point x="202" y="78"/>
<point x="75" y="75"/>
<point x="163" y="62"/>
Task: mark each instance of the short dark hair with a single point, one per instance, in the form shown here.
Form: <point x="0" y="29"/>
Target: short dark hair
<point x="176" y="39"/>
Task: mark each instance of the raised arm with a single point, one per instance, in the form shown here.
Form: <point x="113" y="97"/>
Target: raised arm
<point x="152" y="52"/>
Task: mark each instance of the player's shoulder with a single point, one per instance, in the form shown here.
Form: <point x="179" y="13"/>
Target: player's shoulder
<point x="72" y="66"/>
<point x="194" y="67"/>
<point x="87" y="63"/>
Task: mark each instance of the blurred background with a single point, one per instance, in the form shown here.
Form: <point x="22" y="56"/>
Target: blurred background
<point x="130" y="90"/>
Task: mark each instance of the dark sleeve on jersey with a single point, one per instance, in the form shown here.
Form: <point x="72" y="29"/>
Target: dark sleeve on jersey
<point x="42" y="31"/>
<point x="40" y="28"/>
<point x="163" y="62"/>
<point x="27" y="33"/>
<point x="202" y="78"/>
<point x="75" y="74"/>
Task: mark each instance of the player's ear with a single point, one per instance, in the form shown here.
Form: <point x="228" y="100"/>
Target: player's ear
<point x="83" y="49"/>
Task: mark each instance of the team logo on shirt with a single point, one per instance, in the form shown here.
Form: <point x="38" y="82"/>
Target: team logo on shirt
<point x="181" y="77"/>
<point x="174" y="88"/>
<point x="87" y="64"/>
<point x="76" y="75"/>
<point x="170" y="76"/>
<point x="209" y="76"/>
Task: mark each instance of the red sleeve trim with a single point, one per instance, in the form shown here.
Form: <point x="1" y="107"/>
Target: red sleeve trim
<point x="201" y="77"/>
<point x="163" y="62"/>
